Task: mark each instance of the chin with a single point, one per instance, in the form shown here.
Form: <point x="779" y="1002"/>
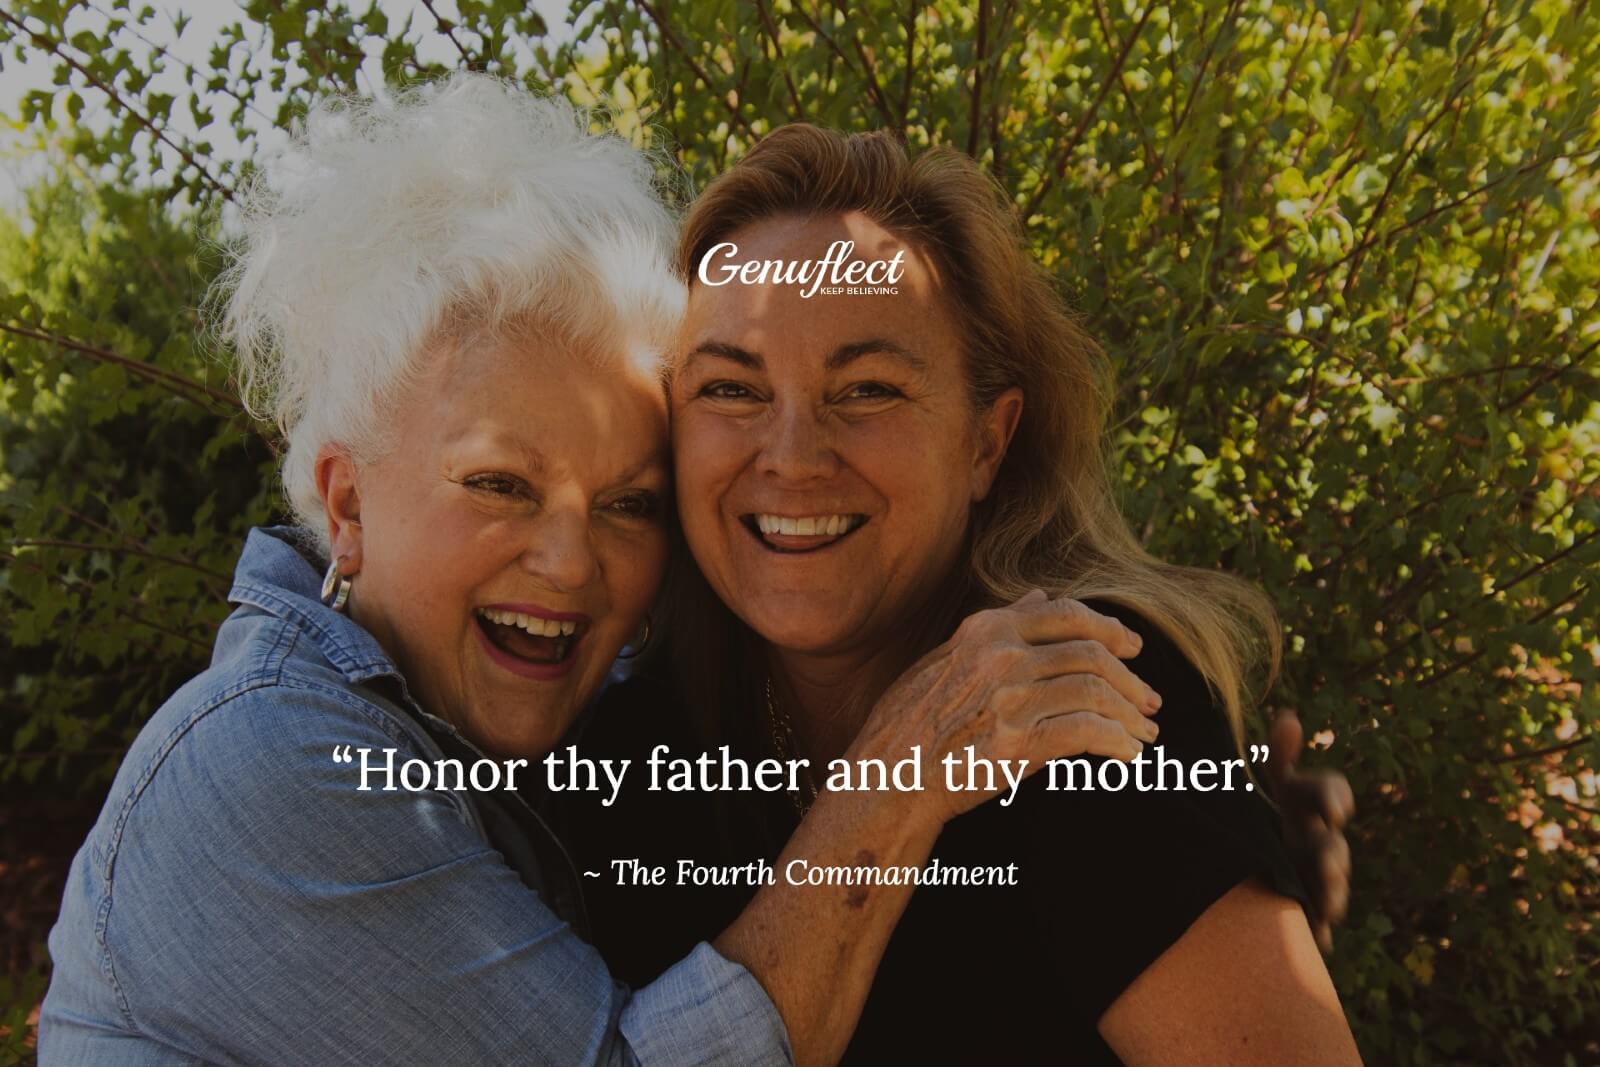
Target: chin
<point x="527" y="729"/>
<point x="815" y="632"/>
<point x="515" y="746"/>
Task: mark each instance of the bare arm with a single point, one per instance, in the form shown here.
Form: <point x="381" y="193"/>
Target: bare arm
<point x="815" y="949"/>
<point x="1243" y="986"/>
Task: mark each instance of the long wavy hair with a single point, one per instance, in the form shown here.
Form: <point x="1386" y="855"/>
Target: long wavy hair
<point x="1051" y="520"/>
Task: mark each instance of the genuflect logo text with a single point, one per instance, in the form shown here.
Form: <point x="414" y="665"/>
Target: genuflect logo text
<point x="835" y="274"/>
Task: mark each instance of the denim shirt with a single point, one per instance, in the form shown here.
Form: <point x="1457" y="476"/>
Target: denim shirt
<point x="239" y="901"/>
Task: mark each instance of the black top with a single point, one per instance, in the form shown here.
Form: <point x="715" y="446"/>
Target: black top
<point x="1106" y="881"/>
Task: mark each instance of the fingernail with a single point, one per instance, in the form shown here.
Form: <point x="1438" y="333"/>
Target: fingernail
<point x="1152" y="730"/>
<point x="1152" y="697"/>
<point x="1138" y="642"/>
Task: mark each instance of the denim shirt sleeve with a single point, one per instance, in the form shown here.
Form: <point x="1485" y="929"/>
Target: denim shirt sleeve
<point x="261" y="910"/>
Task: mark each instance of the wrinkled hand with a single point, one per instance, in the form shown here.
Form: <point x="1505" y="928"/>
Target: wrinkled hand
<point x="1315" y="805"/>
<point x="1039" y="679"/>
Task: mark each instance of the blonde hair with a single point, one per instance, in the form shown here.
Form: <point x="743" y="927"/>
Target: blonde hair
<point x="391" y="232"/>
<point x="1051" y="520"/>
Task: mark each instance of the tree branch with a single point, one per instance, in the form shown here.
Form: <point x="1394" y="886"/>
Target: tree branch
<point x="872" y="82"/>
<point x="672" y="42"/>
<point x="78" y="546"/>
<point x="132" y="366"/>
<point x="1059" y="167"/>
<point x="1549" y="376"/>
<point x="1542" y="565"/>
<point x="448" y="28"/>
<point x="777" y="57"/>
<point x="1551" y="750"/>
<point x="1444" y="672"/>
<point x="54" y="48"/>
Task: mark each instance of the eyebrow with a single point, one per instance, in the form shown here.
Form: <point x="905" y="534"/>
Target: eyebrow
<point x="840" y="358"/>
<point x="723" y="350"/>
<point x="660" y="460"/>
<point x="530" y="455"/>
<point x="845" y="355"/>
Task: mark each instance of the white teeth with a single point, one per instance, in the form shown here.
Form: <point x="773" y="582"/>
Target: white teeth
<point x="810" y="526"/>
<point x="531" y="623"/>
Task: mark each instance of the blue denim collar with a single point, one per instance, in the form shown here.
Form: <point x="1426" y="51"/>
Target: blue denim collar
<point x="280" y="572"/>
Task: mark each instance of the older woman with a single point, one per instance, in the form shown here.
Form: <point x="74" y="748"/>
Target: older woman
<point x="452" y="305"/>
<point x="883" y="421"/>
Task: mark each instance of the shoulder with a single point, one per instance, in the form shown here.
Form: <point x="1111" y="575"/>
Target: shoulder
<point x="1160" y="660"/>
<point x="1162" y="792"/>
<point x="267" y="681"/>
<point x="1144" y="848"/>
<point x="248" y="763"/>
<point x="260" y="710"/>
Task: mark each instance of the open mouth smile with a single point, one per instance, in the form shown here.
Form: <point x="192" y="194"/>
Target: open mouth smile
<point x="794" y="535"/>
<point x="533" y="646"/>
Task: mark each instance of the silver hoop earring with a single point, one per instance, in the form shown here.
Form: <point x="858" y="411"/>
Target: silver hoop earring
<point x="335" y="588"/>
<point x="640" y="642"/>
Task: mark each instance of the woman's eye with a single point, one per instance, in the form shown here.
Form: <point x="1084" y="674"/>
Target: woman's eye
<point x="726" y="391"/>
<point x="496" y="484"/>
<point x="638" y="505"/>
<point x="872" y="391"/>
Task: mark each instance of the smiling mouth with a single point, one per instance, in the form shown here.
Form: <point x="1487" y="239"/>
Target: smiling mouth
<point x="798" y="535"/>
<point x="546" y="642"/>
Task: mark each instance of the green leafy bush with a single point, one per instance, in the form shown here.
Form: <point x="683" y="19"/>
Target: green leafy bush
<point x="1345" y="255"/>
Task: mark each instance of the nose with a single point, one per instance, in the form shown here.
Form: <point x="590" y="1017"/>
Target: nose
<point x="560" y="552"/>
<point x="797" y="446"/>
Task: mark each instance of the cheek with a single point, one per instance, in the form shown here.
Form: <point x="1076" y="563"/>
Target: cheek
<point x="914" y="462"/>
<point x="707" y="452"/>
<point x="453" y="550"/>
<point x="634" y="568"/>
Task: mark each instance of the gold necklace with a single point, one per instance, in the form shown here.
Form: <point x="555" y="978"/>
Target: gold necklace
<point x="783" y="741"/>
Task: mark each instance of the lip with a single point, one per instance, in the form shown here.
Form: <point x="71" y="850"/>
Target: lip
<point x="542" y="672"/>
<point x="798" y="544"/>
<point x="542" y="613"/>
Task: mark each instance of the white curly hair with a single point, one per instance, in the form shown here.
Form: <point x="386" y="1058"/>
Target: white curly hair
<point x="456" y="210"/>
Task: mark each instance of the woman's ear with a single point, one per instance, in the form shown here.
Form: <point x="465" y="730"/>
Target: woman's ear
<point x="341" y="501"/>
<point x="996" y="426"/>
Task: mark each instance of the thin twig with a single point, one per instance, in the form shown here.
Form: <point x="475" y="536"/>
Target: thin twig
<point x="54" y="47"/>
<point x="79" y="546"/>
<point x="672" y="42"/>
<point x="1542" y="565"/>
<point x="1059" y="167"/>
<point x="911" y="66"/>
<point x="1551" y="750"/>
<point x="777" y="57"/>
<point x="447" y="28"/>
<point x="980" y="58"/>
<point x="872" y="83"/>
<point x="1465" y="661"/>
<point x="133" y="366"/>
<point x="186" y="65"/>
<point x="1549" y="376"/>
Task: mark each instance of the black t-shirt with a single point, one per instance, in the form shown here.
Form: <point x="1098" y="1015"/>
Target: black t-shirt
<point x="1105" y="881"/>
